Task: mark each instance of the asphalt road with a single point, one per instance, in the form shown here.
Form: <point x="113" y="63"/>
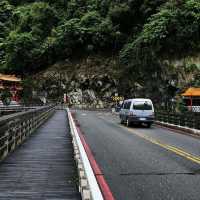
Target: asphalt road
<point x="140" y="163"/>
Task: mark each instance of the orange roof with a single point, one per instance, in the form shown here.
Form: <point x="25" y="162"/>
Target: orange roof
<point x="192" y="92"/>
<point x="12" y="78"/>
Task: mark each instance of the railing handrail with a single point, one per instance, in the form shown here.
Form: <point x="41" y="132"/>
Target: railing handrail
<point x="16" y="108"/>
<point x="175" y="112"/>
<point x="7" y="118"/>
<point x="187" y="119"/>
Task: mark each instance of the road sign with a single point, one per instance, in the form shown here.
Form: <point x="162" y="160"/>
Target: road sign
<point x="117" y="98"/>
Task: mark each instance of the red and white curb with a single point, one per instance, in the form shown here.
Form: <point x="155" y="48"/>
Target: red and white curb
<point x="92" y="184"/>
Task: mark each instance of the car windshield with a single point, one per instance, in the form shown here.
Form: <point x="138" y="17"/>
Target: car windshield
<point x="142" y="106"/>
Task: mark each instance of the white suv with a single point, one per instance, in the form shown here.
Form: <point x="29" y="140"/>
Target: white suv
<point x="137" y="111"/>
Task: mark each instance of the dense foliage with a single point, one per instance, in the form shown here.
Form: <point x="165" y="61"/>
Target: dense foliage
<point x="38" y="33"/>
<point x="175" y="29"/>
<point x="172" y="32"/>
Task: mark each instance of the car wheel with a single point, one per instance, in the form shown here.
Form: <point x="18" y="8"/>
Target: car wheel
<point x="149" y="125"/>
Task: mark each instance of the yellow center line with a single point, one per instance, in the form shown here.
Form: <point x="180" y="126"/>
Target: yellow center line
<point x="173" y="149"/>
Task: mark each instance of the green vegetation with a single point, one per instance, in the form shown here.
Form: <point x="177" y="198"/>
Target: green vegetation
<point x="37" y="33"/>
<point x="172" y="32"/>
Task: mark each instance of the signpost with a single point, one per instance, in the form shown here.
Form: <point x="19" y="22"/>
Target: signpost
<point x="65" y="98"/>
<point x="117" y="99"/>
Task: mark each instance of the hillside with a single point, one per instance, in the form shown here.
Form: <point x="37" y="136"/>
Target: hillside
<point x="154" y="44"/>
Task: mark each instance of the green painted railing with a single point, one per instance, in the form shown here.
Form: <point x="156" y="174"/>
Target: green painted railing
<point x="187" y="119"/>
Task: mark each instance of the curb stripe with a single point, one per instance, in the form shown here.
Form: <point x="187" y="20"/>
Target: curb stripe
<point x="105" y="189"/>
<point x="89" y="188"/>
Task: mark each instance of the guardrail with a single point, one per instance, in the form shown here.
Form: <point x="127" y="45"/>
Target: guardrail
<point x="191" y="120"/>
<point x="88" y="185"/>
<point x="9" y="110"/>
<point x="15" y="128"/>
<point x="15" y="108"/>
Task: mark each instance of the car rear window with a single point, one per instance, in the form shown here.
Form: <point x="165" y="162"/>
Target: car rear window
<point x="142" y="106"/>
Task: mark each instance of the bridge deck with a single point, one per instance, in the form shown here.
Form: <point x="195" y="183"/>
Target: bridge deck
<point x="43" y="167"/>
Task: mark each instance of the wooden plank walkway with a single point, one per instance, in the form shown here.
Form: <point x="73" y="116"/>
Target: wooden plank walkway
<point x="43" y="167"/>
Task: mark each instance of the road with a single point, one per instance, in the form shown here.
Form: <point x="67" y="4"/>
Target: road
<point x="140" y="163"/>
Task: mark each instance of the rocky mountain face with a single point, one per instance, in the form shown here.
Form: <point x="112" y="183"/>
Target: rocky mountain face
<point x="186" y="70"/>
<point x="91" y="82"/>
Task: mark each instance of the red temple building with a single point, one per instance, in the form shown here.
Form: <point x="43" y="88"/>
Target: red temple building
<point x="13" y="84"/>
<point x="191" y="98"/>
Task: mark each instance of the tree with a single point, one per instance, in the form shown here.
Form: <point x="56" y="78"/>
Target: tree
<point x="6" y="11"/>
<point x="122" y="16"/>
<point x="21" y="52"/>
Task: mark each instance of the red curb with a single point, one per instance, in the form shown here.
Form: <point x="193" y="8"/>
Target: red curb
<point x="105" y="189"/>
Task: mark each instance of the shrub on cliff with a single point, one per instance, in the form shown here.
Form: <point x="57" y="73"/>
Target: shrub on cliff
<point x="174" y="30"/>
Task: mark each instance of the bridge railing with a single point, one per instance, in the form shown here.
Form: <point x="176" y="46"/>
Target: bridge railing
<point x="15" y="128"/>
<point x="7" y="110"/>
<point x="188" y="119"/>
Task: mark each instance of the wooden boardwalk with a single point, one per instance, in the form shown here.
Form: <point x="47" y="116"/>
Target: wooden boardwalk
<point x="42" y="167"/>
